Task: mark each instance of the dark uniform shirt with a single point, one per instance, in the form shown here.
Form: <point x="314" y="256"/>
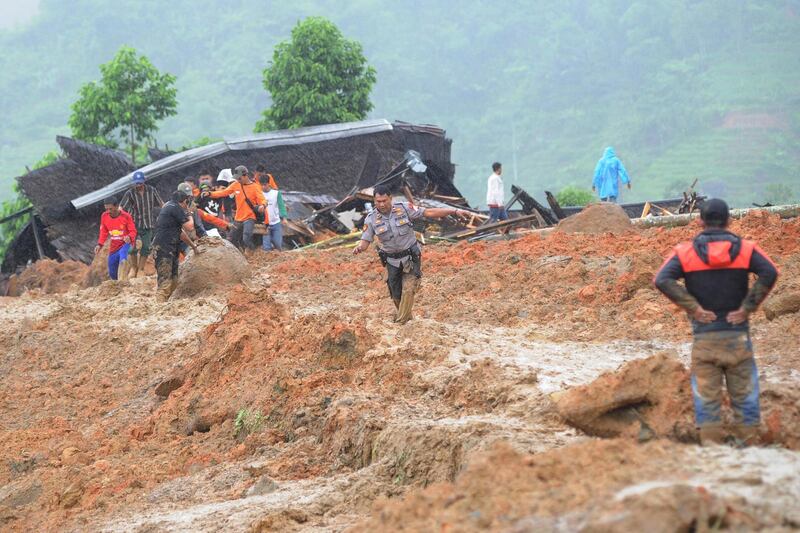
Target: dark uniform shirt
<point x="168" y="226"/>
<point x="394" y="231"/>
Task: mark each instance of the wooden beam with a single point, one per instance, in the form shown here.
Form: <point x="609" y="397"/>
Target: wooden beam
<point x="555" y="206"/>
<point x="18" y="214"/>
<point x="37" y="238"/>
<point x="465" y="234"/>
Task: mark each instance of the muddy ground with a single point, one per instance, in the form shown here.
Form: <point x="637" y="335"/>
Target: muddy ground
<point x="514" y="401"/>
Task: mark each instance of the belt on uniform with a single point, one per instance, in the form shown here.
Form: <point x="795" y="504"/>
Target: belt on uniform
<point x="398" y="255"/>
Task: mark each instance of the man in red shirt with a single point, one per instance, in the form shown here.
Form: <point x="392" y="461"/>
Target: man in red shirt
<point x="117" y="225"/>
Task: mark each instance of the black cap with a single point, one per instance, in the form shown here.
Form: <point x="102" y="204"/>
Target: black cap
<point x="111" y="200"/>
<point x="715" y="211"/>
<point x="179" y="196"/>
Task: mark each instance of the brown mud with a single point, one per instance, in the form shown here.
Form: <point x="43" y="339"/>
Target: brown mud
<point x="121" y="414"/>
<point x="597" y="218"/>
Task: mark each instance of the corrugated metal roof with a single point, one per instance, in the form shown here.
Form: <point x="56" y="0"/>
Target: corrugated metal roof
<point x="190" y="157"/>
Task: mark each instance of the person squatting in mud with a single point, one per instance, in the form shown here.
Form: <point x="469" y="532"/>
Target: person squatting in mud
<point x="116" y="225"/>
<point x="173" y="226"/>
<point x="715" y="268"/>
<point x="398" y="249"/>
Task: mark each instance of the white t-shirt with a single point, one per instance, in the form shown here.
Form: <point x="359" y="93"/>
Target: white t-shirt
<point x="273" y="211"/>
<point x="494" y="191"/>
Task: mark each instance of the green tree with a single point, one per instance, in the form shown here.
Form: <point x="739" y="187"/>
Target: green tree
<point x="124" y="106"/>
<point x="10" y="229"/>
<point x="317" y="77"/>
<point x="574" y="196"/>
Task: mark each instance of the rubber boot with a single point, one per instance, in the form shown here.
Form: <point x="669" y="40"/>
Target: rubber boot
<point x="744" y="435"/>
<point x="407" y="299"/>
<point x="712" y="435"/>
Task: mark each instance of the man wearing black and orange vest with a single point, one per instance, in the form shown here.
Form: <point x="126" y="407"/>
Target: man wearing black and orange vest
<point x="717" y="297"/>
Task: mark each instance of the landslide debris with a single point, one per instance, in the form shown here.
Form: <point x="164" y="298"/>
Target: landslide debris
<point x="48" y="276"/>
<point x="577" y="488"/>
<point x="643" y="395"/>
<point x="118" y="413"/>
<point x="218" y="267"/>
<point x="602" y="217"/>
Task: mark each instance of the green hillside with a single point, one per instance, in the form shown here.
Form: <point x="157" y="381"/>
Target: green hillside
<point x="682" y="89"/>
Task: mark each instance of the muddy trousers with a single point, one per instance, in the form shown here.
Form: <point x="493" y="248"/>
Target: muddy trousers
<point x="118" y="263"/>
<point x="166" y="272"/>
<point x="403" y="283"/>
<point x="728" y="356"/>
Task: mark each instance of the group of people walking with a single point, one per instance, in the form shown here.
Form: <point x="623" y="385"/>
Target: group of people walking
<point x="229" y="206"/>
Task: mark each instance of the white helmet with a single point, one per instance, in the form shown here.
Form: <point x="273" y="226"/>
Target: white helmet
<point x="225" y="176"/>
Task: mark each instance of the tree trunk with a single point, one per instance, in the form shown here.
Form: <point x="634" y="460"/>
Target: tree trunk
<point x="785" y="211"/>
<point x="133" y="147"/>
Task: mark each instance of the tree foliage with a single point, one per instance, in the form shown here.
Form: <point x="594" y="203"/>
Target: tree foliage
<point x="550" y="81"/>
<point x="126" y="104"/>
<point x="574" y="196"/>
<point x="19" y="202"/>
<point x="317" y="77"/>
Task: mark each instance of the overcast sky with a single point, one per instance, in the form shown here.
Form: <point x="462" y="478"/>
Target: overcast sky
<point x="13" y="12"/>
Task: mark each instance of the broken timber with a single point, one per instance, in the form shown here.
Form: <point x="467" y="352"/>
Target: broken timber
<point x="488" y="228"/>
<point x="555" y="206"/>
<point x="530" y="205"/>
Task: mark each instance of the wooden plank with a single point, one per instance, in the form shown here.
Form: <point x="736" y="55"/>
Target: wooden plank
<point x="529" y="205"/>
<point x="646" y="210"/>
<point x="555" y="206"/>
<point x="465" y="234"/>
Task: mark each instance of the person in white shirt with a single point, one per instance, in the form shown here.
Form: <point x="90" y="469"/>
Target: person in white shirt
<point x="276" y="210"/>
<point x="494" y="195"/>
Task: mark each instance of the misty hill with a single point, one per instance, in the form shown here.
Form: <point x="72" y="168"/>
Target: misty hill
<point x="681" y="89"/>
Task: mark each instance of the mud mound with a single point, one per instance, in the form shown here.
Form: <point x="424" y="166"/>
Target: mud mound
<point x="649" y="393"/>
<point x="782" y="304"/>
<point x="585" y="487"/>
<point x="597" y="218"/>
<point x="98" y="270"/>
<point x="219" y="266"/>
<point x="49" y="276"/>
<point x="259" y="356"/>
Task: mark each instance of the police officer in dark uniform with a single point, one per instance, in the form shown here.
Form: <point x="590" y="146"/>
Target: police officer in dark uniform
<point x="399" y="251"/>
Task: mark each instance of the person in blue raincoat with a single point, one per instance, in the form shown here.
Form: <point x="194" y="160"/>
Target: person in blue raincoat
<point x="607" y="175"/>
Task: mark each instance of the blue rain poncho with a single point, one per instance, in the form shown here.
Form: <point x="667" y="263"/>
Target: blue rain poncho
<point x="607" y="174"/>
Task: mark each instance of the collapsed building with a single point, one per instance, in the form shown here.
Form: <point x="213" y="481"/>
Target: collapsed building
<point x="315" y="166"/>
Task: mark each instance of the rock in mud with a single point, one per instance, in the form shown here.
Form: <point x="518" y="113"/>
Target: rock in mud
<point x="71" y="495"/>
<point x="782" y="304"/>
<point x="264" y="485"/>
<point x="218" y="266"/>
<point x="670" y="509"/>
<point x="12" y="496"/>
<point x="646" y="393"/>
<point x="597" y="218"/>
<point x="165" y="388"/>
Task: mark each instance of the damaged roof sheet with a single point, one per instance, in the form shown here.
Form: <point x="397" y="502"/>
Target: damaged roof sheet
<point x="186" y="158"/>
